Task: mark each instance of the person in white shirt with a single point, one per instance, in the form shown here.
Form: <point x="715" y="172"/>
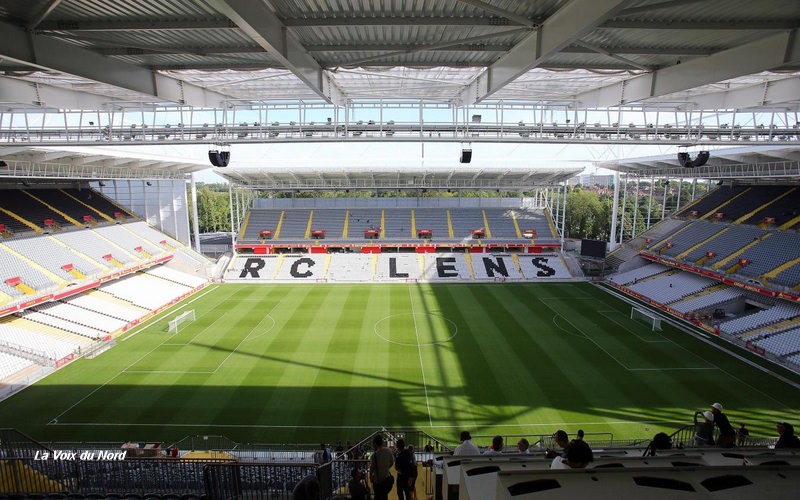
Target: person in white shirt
<point x="523" y="447"/>
<point x="497" y="446"/>
<point x="466" y="447"/>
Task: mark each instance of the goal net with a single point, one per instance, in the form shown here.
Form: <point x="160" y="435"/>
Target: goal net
<point x="647" y="317"/>
<point x="184" y="317"/>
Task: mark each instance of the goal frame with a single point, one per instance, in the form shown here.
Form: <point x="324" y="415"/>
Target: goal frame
<point x="638" y="313"/>
<point x="174" y="325"/>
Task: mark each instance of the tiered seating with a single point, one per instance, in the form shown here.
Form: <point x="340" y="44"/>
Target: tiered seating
<point x="260" y="219"/>
<point x="788" y="277"/>
<point x="397" y="224"/>
<point x="406" y="267"/>
<point x="782" y="209"/>
<point x="81" y="316"/>
<point x="639" y="273"/>
<point x="251" y="267"/>
<point x="751" y="200"/>
<point x="464" y="220"/>
<point x="294" y="224"/>
<point x="434" y="219"/>
<point x="52" y="332"/>
<point x="94" y="301"/>
<point x="783" y="343"/>
<point x="98" y="201"/>
<point x="501" y="223"/>
<point x="170" y="274"/>
<point x="13" y="267"/>
<point x="145" y="291"/>
<point x="781" y="311"/>
<point x="18" y="202"/>
<point x="129" y="242"/>
<point x="331" y="220"/>
<point x="91" y="244"/>
<point x="446" y="267"/>
<point x="725" y="243"/>
<point x="543" y="266"/>
<point x="62" y="324"/>
<point x="772" y="251"/>
<point x="694" y="233"/>
<point x="495" y="266"/>
<point x="51" y="255"/>
<point x="70" y="206"/>
<point x="711" y="201"/>
<point x="707" y="301"/>
<point x="667" y="289"/>
<point x="535" y="219"/>
<point x="144" y="231"/>
<point x="362" y="219"/>
<point x="10" y="364"/>
<point x="350" y="267"/>
<point x="52" y="348"/>
<point x="302" y="268"/>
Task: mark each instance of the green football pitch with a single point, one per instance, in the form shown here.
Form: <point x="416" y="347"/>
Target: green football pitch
<point x="311" y="363"/>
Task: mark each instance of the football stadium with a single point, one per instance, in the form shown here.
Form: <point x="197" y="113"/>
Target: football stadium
<point x="442" y="249"/>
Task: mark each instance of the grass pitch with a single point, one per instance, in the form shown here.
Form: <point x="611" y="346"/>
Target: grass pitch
<point x="288" y="364"/>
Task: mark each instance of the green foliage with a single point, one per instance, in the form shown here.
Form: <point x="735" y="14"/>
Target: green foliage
<point x="213" y="208"/>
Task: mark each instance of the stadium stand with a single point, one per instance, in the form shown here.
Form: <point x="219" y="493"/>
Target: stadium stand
<point x="725" y="244"/>
<point x="710" y="203"/>
<point x="782" y="344"/>
<point x="354" y="267"/>
<point x="752" y="200"/>
<point x="54" y="256"/>
<point x="99" y="249"/>
<point x="330" y="220"/>
<point x="129" y="242"/>
<point x="639" y="273"/>
<point x="693" y="234"/>
<point x="446" y="267"/>
<point x="98" y="202"/>
<point x="295" y="224"/>
<point x="176" y="276"/>
<point x="399" y="224"/>
<point x="669" y="288"/>
<point x="544" y="266"/>
<point x="146" y="291"/>
<point x="434" y="219"/>
<point x="495" y="267"/>
<point x="362" y="219"/>
<point x="394" y="267"/>
<point x="781" y="311"/>
<point x="11" y="364"/>
<point x="251" y="267"/>
<point x="73" y="208"/>
<point x="81" y="316"/>
<point x="95" y="302"/>
<point x="783" y="208"/>
<point x="25" y="204"/>
<point x="708" y="300"/>
<point x="774" y="249"/>
<point x="21" y="276"/>
<point x="51" y="347"/>
<point x="258" y="220"/>
<point x="465" y="220"/>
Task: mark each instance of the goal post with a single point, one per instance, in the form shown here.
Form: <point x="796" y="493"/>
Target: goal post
<point x="177" y="321"/>
<point x="646" y="316"/>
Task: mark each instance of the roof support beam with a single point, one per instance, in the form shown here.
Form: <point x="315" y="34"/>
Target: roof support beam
<point x="567" y="25"/>
<point x="500" y="12"/>
<point x="763" y="54"/>
<point x="50" y="7"/>
<point x="45" y="53"/>
<point x="46" y="96"/>
<point x="146" y="25"/>
<point x="264" y="27"/>
<point x="767" y="94"/>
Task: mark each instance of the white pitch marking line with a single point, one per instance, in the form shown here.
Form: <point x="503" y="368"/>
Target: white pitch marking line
<point x="120" y="373"/>
<point x="419" y="350"/>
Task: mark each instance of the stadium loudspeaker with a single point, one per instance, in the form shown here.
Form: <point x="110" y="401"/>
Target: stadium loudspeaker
<point x="684" y="160"/>
<point x="225" y="158"/>
<point x="215" y="158"/>
<point x="466" y="156"/>
<point x="701" y="158"/>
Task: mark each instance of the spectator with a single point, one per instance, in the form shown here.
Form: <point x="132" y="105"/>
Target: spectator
<point x="358" y="485"/>
<point x="787" y="438"/>
<point x="523" y="447"/>
<point x="429" y="447"/>
<point x="497" y="446"/>
<point x="466" y="447"/>
<point x="403" y="464"/>
<point x="661" y="441"/>
<point x="412" y="474"/>
<point x="381" y="462"/>
<point x="741" y="435"/>
<point x="579" y="454"/>
<point x="324" y="455"/>
<point x="727" y="435"/>
<point x="704" y="431"/>
<point x="561" y="439"/>
<point x="580" y="434"/>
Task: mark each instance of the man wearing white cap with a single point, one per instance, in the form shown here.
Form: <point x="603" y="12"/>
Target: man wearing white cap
<point x="727" y="435"/>
<point x="704" y="431"/>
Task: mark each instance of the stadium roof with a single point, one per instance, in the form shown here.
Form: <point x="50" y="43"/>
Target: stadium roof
<point x="757" y="163"/>
<point x="404" y="177"/>
<point x="91" y="163"/>
<point x="701" y="54"/>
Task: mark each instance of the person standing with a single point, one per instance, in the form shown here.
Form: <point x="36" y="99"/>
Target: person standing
<point x="497" y="446"/>
<point x="741" y="435"/>
<point x="466" y="447"/>
<point x="380" y="469"/>
<point x="727" y="434"/>
<point x="403" y="464"/>
<point x="704" y="431"/>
